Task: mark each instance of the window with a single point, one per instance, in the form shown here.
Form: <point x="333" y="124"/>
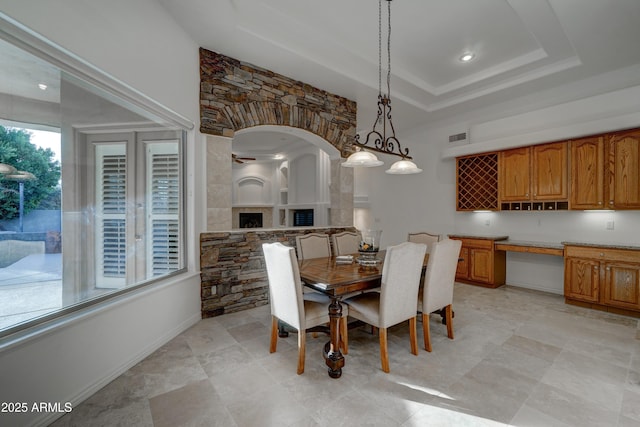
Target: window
<point x="120" y="191"/>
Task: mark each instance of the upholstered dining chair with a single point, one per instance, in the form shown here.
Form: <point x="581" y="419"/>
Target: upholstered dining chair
<point x="424" y="237"/>
<point x="346" y="242"/>
<point x="437" y="293"/>
<point x="398" y="296"/>
<point x="286" y="300"/>
<point x="313" y="245"/>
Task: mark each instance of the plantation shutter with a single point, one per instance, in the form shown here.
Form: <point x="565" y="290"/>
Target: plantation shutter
<point x="111" y="197"/>
<point x="163" y="208"/>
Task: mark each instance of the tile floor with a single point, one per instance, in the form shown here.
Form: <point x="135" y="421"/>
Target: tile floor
<point x="519" y="358"/>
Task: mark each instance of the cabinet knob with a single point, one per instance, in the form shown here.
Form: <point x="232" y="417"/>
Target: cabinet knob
<point x="595" y="267"/>
<point x="608" y="268"/>
<point x="601" y="254"/>
<point x="610" y="202"/>
<point x="599" y="203"/>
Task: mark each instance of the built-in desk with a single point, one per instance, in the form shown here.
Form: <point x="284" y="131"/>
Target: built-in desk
<point x="544" y="248"/>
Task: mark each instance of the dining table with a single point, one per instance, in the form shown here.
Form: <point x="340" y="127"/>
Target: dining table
<point x="337" y="279"/>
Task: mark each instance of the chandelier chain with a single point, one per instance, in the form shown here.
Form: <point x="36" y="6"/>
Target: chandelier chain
<point x="379" y="47"/>
<point x="389" y="51"/>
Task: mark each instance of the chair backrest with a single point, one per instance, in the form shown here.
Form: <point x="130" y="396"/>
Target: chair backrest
<point x="401" y="273"/>
<point x="313" y="245"/>
<point x="346" y="242"/>
<point x="285" y="286"/>
<point x="440" y="275"/>
<point x="423" y="237"/>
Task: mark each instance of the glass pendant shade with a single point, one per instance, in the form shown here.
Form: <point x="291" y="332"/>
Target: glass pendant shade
<point x="403" y="167"/>
<point x="364" y="159"/>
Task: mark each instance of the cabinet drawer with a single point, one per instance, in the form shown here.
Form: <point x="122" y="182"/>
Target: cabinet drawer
<point x="602" y="253"/>
<point x="477" y="243"/>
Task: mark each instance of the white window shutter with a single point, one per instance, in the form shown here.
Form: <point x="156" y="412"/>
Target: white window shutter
<point x="163" y="208"/>
<point x="111" y="221"/>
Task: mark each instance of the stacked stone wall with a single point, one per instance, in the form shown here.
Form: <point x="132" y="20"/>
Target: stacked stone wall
<point x="235" y="95"/>
<point x="233" y="274"/>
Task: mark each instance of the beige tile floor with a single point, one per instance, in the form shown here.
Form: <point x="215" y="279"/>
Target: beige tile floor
<point x="519" y="358"/>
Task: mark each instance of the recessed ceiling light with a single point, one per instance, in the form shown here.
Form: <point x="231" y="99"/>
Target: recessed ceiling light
<point x="42" y="86"/>
<point x="467" y="56"/>
<point x="278" y="157"/>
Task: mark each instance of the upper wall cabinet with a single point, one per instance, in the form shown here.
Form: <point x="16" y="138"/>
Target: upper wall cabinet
<point x="587" y="173"/>
<point x="549" y="166"/>
<point x="515" y="174"/>
<point x="623" y="170"/>
<point x="534" y="174"/>
<point x="603" y="172"/>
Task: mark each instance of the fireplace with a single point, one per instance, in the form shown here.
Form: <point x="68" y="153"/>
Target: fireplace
<point x="250" y="220"/>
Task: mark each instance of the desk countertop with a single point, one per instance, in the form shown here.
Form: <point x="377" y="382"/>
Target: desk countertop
<point x="478" y="236"/>
<point x="605" y="245"/>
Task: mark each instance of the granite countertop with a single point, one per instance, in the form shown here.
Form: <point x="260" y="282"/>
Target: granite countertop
<point x="478" y="236"/>
<point x="604" y="245"/>
<point x="551" y="245"/>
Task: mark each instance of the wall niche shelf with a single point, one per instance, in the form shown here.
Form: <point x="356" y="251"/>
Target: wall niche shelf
<point x="534" y="206"/>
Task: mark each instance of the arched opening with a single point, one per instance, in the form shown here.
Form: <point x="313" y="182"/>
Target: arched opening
<point x="282" y="172"/>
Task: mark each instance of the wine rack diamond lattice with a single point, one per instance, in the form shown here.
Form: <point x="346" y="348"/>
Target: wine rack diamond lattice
<point x="477" y="182"/>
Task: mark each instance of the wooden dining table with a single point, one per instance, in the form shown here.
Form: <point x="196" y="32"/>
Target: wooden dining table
<point x="336" y="280"/>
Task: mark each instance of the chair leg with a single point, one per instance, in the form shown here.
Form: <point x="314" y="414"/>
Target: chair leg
<point x="301" y="351"/>
<point x="274" y="334"/>
<point x="449" y="316"/>
<point x="384" y="355"/>
<point x="413" y="335"/>
<point x="344" y="335"/>
<point x="426" y="331"/>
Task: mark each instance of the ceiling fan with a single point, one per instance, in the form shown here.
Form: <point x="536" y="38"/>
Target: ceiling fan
<point x="240" y="160"/>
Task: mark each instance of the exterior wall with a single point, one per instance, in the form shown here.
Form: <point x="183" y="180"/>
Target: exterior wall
<point x="233" y="274"/>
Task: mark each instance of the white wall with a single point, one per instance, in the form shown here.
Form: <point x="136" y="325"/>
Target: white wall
<point x="426" y="201"/>
<point x="139" y="44"/>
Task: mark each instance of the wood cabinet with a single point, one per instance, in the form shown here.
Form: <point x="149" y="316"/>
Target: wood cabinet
<point x="595" y="172"/>
<point x="603" y="278"/>
<point x="587" y="173"/>
<point x="624" y="170"/>
<point x="515" y="174"/>
<point x="550" y="176"/>
<point x="481" y="264"/>
<point x="538" y="173"/>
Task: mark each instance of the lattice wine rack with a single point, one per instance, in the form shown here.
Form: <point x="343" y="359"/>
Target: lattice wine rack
<point x="477" y="182"/>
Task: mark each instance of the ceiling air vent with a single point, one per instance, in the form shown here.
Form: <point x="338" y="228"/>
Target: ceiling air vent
<point x="458" y="137"/>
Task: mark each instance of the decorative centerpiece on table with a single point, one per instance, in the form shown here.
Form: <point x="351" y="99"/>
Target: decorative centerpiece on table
<point x="369" y="247"/>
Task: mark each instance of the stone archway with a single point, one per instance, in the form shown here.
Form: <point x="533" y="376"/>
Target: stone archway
<point x="235" y="95"/>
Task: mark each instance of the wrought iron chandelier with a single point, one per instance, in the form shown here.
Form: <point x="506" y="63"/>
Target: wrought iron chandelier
<point x="379" y="140"/>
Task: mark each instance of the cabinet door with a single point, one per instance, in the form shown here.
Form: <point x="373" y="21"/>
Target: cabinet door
<point x="581" y="279"/>
<point x="462" y="271"/>
<point x="514" y="174"/>
<point x="587" y="173"/>
<point x="624" y="165"/>
<point x="549" y="165"/>
<point x="481" y="266"/>
<point x="622" y="285"/>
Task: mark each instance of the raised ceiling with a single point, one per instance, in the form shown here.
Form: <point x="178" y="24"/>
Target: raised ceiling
<point x="523" y="48"/>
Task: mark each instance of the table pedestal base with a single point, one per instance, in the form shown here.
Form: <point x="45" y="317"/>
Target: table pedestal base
<point x="332" y="355"/>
